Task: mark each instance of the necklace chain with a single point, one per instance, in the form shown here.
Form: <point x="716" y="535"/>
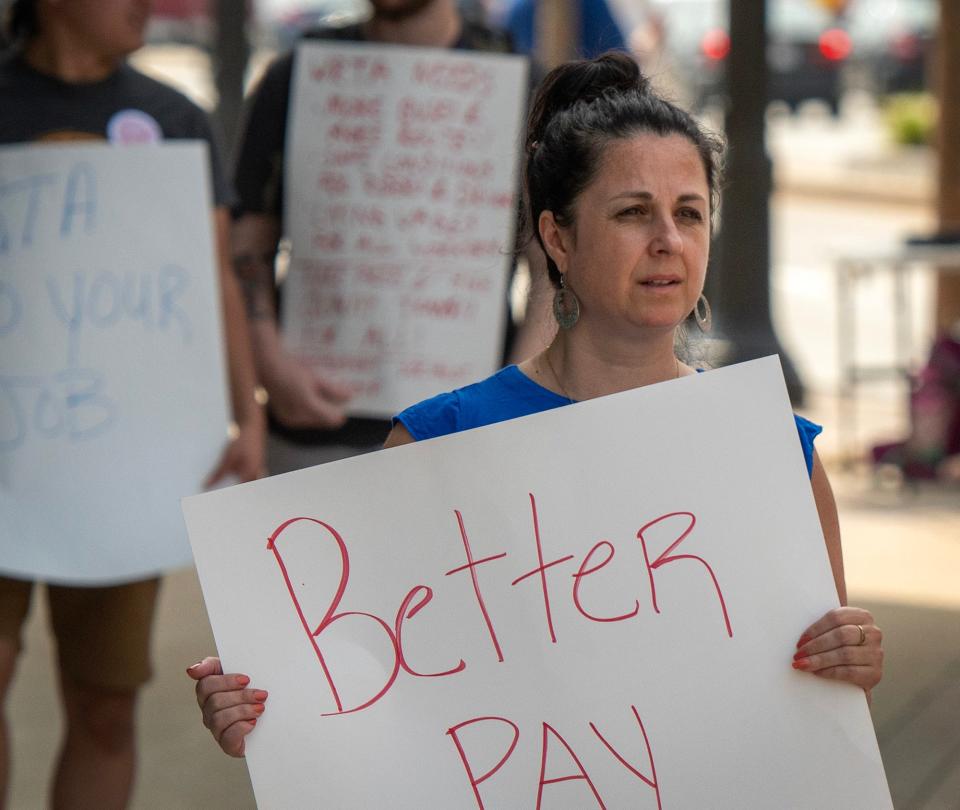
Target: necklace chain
<point x="556" y="377"/>
<point x="563" y="389"/>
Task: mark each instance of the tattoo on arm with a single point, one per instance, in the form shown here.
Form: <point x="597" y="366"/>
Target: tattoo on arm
<point x="255" y="274"/>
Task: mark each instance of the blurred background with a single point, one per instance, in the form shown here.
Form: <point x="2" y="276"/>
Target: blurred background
<point x="838" y="249"/>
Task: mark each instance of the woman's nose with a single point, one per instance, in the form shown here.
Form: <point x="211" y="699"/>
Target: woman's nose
<point x="666" y="238"/>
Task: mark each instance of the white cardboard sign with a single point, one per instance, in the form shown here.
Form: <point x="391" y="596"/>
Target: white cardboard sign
<point x="400" y="207"/>
<point x="112" y="386"/>
<point x="596" y="606"/>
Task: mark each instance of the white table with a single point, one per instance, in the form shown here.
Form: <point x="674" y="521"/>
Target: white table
<point x="851" y="271"/>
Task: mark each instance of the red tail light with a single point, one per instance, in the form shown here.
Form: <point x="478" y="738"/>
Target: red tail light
<point x="715" y="44"/>
<point x="835" y="44"/>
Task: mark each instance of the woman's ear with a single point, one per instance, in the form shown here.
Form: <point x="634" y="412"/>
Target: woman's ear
<point x="555" y="239"/>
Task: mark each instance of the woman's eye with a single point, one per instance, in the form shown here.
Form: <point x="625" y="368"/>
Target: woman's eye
<point x="691" y="214"/>
<point x="633" y="211"/>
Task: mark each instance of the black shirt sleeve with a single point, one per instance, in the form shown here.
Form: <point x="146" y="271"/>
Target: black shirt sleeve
<point x="205" y="130"/>
<point x="258" y="174"/>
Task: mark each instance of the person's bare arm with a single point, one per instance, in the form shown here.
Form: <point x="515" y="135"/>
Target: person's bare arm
<point x="398" y="435"/>
<point x="244" y="456"/>
<point x="829" y="523"/>
<point x="298" y="397"/>
<point x="844" y="644"/>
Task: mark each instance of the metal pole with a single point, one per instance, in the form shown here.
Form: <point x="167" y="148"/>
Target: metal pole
<point x="741" y="283"/>
<point x="557" y="28"/>
<point x="231" y="50"/>
<point x="948" y="198"/>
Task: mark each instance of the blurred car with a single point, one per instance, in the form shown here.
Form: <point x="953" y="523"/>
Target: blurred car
<point x="807" y="46"/>
<point x="893" y="42"/>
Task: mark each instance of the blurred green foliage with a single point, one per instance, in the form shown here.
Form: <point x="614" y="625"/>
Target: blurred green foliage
<point x="911" y="118"/>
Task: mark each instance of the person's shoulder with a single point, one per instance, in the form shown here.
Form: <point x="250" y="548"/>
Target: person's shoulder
<point x="350" y="32"/>
<point x="808" y="430"/>
<point x="477" y="36"/>
<point x="437" y="416"/>
<point x="7" y="77"/>
<point x="151" y="90"/>
<point x="8" y="62"/>
<point x="280" y="70"/>
<point x="451" y="411"/>
<point x="504" y="379"/>
<point x="14" y="72"/>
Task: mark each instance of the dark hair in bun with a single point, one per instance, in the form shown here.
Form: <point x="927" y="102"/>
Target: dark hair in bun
<point x="579" y="108"/>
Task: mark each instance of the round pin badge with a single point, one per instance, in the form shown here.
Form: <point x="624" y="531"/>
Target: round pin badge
<point x="133" y="127"/>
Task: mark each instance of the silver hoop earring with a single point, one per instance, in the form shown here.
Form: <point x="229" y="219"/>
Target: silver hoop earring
<point x="566" y="307"/>
<point x="703" y="318"/>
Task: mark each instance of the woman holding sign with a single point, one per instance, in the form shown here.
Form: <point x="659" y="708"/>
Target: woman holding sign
<point x="622" y="188"/>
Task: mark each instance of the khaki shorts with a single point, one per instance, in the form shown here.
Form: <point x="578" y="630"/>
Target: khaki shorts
<point x="103" y="634"/>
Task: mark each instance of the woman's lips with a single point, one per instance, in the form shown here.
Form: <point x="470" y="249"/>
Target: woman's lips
<point x="660" y="282"/>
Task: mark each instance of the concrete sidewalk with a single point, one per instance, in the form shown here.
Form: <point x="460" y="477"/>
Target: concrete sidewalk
<point x="852" y="158"/>
<point x="902" y="557"/>
<point x="180" y="765"/>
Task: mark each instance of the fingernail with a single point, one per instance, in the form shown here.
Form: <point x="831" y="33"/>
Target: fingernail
<point x="192" y="667"/>
<point x="243" y="680"/>
<point x="260" y="695"/>
<point x="801" y="663"/>
<point x="798" y="655"/>
<point x="252" y="722"/>
<point x="803" y="640"/>
<point x="258" y="708"/>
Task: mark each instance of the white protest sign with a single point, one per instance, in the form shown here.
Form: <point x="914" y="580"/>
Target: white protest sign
<point x="400" y="207"/>
<point x="595" y="606"/>
<point x="112" y="401"/>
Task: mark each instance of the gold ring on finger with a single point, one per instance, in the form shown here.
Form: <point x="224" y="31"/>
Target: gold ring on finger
<point x="863" y="636"/>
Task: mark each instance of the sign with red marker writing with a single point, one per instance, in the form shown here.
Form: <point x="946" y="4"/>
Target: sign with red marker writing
<point x="592" y="607"/>
<point x="112" y="381"/>
<point x="400" y="208"/>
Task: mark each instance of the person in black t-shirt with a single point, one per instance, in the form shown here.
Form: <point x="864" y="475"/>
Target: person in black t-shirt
<point x="64" y="80"/>
<point x="308" y="422"/>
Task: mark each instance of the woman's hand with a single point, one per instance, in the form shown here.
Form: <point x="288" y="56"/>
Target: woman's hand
<point x="844" y="645"/>
<point x="230" y="710"/>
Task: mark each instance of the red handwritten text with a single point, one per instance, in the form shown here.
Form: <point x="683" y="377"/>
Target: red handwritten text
<point x="454" y="76"/>
<point x="355" y="69"/>
<point x="420" y="595"/>
<point x="550" y="738"/>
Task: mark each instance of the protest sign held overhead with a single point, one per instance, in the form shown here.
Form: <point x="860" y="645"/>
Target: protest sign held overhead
<point x="400" y="199"/>
<point x="112" y="381"/>
<point x="594" y="606"/>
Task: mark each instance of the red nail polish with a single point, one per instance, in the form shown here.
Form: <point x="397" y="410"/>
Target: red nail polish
<point x="803" y="640"/>
<point x="798" y="655"/>
<point x="258" y="708"/>
<point x="801" y="663"/>
<point x="252" y="722"/>
<point x="243" y="680"/>
<point x="260" y="695"/>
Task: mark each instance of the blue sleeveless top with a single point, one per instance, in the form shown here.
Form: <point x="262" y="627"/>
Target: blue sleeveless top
<point x="506" y="395"/>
